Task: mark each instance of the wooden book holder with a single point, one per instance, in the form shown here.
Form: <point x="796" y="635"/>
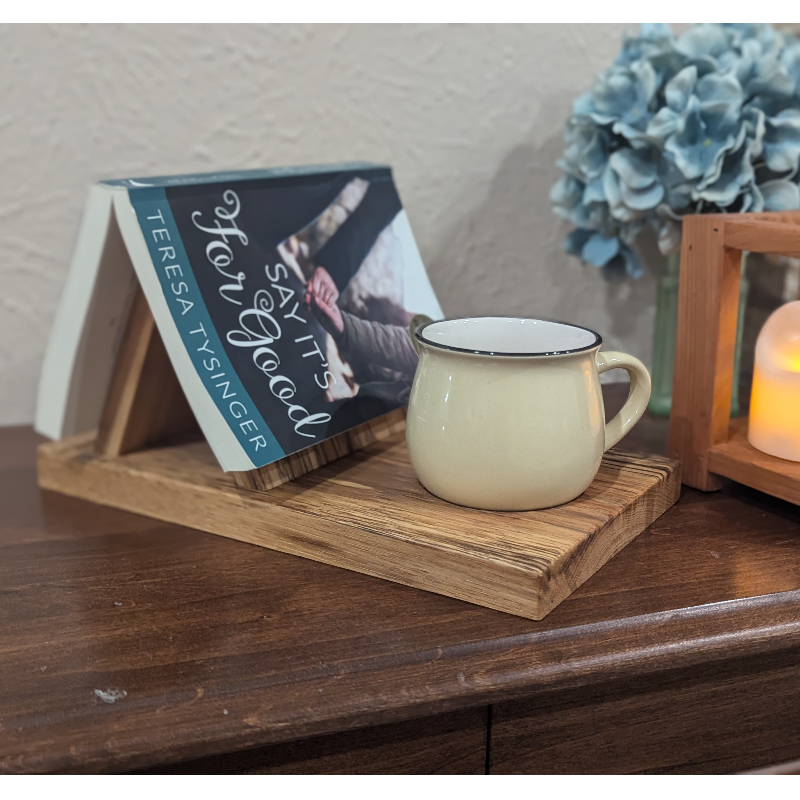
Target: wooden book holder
<point x="702" y="436"/>
<point x="367" y="513"/>
<point x="146" y="408"/>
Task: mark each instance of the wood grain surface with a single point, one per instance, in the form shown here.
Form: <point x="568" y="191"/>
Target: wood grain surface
<point x="727" y="718"/>
<point x="305" y="461"/>
<point x="444" y="744"/>
<point x="737" y="459"/>
<point x="145" y="405"/>
<point x="708" y="306"/>
<point x="190" y="625"/>
<point x="762" y="236"/>
<point x="367" y="512"/>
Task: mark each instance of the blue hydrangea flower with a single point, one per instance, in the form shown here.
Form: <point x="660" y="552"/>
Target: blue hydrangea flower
<point x="587" y="151"/>
<point x="567" y="199"/>
<point x="780" y="195"/>
<point x="704" y="41"/>
<point x="733" y="175"/>
<point x="632" y="184"/>
<point x="700" y="123"/>
<point x="655" y="43"/>
<point x="620" y="99"/>
<point x="782" y="141"/>
<point x="790" y="61"/>
<point x="705" y="122"/>
<point x="613" y="257"/>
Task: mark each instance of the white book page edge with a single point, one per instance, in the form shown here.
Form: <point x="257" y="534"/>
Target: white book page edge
<point x="59" y="370"/>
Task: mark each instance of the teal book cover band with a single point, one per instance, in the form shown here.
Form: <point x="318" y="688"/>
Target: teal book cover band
<point x="291" y="291"/>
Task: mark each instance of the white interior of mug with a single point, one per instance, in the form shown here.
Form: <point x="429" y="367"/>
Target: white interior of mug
<point x="508" y="336"/>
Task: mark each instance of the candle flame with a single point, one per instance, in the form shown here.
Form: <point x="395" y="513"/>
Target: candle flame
<point x="778" y="346"/>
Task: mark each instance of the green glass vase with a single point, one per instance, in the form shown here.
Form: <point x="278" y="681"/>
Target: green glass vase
<point x="666" y="327"/>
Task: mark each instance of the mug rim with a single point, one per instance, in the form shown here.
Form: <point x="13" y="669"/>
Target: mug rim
<point x="597" y="342"/>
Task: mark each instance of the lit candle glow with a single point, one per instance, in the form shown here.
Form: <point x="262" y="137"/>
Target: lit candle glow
<point x="775" y="400"/>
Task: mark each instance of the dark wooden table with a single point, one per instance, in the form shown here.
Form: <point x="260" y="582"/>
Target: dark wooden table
<point x="130" y="644"/>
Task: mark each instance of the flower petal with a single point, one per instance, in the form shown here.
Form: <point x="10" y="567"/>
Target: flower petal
<point x="735" y="175"/>
<point x="642" y="199"/>
<point x="720" y="89"/>
<point x="701" y="141"/>
<point x="633" y="265"/>
<point x="648" y="80"/>
<point x="594" y="157"/>
<point x="680" y="88"/>
<point x="576" y="239"/>
<point x="599" y="250"/>
<point x="566" y="197"/>
<point x="638" y="139"/>
<point x="703" y="40"/>
<point x="662" y="125"/>
<point x="655" y="30"/>
<point x="636" y="169"/>
<point x="752" y="200"/>
<point x="594" y="192"/>
<point x="715" y="167"/>
<point x="566" y="192"/>
<point x="624" y="265"/>
<point x="782" y="141"/>
<point x="780" y="195"/>
<point x="669" y="237"/>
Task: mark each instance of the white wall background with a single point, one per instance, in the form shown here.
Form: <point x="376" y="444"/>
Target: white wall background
<point x="470" y="117"/>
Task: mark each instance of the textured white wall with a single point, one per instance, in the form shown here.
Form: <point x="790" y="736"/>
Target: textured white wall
<point x="470" y="117"/>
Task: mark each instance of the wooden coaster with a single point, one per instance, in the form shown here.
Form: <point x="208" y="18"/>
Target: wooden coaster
<point x="368" y="513"/>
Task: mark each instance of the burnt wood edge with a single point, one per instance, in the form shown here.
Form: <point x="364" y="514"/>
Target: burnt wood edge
<point x="348" y="695"/>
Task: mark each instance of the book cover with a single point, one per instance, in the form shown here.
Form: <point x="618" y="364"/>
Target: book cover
<point x="291" y="291"/>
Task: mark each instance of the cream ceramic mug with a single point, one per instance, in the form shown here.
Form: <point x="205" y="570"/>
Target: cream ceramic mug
<point x="507" y="414"/>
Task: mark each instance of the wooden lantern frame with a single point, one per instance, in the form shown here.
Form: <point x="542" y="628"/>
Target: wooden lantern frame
<point x="709" y="444"/>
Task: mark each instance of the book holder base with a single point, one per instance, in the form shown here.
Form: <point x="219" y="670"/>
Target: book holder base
<point x="368" y="513"/>
<point x="352" y="502"/>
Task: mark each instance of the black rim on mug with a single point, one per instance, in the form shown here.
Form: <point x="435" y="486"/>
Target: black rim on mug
<point x="419" y="333"/>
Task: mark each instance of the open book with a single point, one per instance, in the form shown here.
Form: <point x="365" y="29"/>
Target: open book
<point x="283" y="298"/>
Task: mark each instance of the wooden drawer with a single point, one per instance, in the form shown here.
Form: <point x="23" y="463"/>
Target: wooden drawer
<point x="735" y="717"/>
<point x="452" y="743"/>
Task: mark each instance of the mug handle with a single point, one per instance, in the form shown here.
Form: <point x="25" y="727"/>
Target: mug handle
<point x="638" y="396"/>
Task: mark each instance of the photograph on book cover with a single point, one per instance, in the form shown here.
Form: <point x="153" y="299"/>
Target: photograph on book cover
<point x="293" y="297"/>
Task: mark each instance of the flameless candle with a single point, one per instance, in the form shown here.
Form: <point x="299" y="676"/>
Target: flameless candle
<point x="775" y="401"/>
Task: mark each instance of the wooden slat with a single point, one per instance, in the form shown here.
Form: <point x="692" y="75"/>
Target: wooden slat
<point x="706" y="339"/>
<point x="125" y="379"/>
<point x="760" y="236"/>
<point x="789" y="217"/>
<point x="445" y="744"/>
<point x="297" y="464"/>
<point x="368" y="513"/>
<point x="738" y="460"/>
<point x="690" y="722"/>
<point x="145" y="405"/>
